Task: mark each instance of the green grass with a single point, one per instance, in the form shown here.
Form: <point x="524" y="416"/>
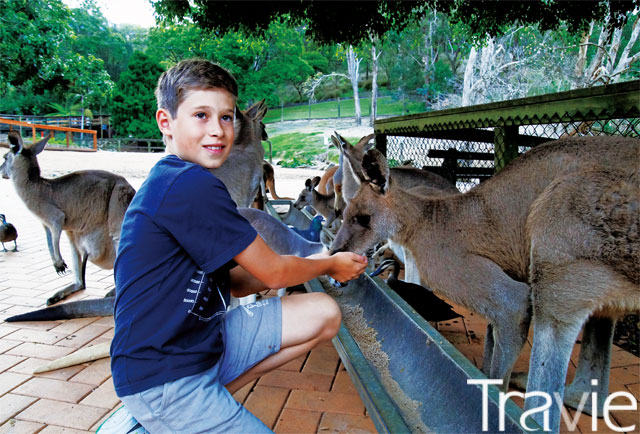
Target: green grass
<point x="329" y="109"/>
<point x="302" y="149"/>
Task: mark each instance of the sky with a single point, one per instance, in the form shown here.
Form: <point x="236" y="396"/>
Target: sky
<point x="139" y="12"/>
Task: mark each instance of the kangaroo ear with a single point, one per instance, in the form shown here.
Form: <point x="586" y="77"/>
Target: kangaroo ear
<point x="355" y="164"/>
<point x="263" y="110"/>
<point x="343" y="142"/>
<point x="257" y="110"/>
<point x="376" y="170"/>
<point x="365" y="143"/>
<point x="315" y="181"/>
<point x="336" y="143"/>
<point x="39" y="145"/>
<point x="15" y="141"/>
<point x="307" y="184"/>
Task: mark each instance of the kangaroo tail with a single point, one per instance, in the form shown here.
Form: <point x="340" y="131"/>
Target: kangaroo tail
<point x="73" y="309"/>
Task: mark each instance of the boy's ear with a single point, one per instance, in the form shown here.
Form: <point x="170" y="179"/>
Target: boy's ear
<point x="162" y="118"/>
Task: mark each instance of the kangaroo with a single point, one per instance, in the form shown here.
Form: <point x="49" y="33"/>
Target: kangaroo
<point x="270" y="181"/>
<point x="479" y="248"/>
<point x="419" y="181"/>
<point x="326" y="185"/>
<point x="584" y="256"/>
<point x="88" y="205"/>
<point x="322" y="203"/>
<point x="405" y="177"/>
<point x="242" y="172"/>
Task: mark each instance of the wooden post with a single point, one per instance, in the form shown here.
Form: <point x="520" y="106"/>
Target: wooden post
<point x="506" y="146"/>
<point x="381" y="144"/>
<point x="67" y="136"/>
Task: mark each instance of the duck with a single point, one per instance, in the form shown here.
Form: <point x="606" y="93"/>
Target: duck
<point x="8" y="233"/>
<point x="425" y="302"/>
<point x="313" y="232"/>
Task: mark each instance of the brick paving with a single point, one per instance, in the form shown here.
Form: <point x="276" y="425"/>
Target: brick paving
<point x="312" y="394"/>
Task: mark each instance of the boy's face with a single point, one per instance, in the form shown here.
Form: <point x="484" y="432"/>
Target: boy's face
<point x="202" y="131"/>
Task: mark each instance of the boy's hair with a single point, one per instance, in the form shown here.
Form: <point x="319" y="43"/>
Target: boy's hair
<point x="175" y="83"/>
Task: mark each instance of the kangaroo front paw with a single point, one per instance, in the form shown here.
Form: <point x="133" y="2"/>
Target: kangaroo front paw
<point x="60" y="267"/>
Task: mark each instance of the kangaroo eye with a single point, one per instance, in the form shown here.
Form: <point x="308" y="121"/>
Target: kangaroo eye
<point x="362" y="220"/>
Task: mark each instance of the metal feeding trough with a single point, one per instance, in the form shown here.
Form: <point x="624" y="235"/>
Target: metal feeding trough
<point x="410" y="378"/>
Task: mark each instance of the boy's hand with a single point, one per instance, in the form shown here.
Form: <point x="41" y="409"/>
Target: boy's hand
<point x="347" y="266"/>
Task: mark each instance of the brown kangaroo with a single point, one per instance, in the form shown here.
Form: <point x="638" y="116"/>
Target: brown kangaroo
<point x="270" y="181"/>
<point x="242" y="172"/>
<point x="88" y="205"/>
<point x="480" y="249"/>
<point x="326" y="185"/>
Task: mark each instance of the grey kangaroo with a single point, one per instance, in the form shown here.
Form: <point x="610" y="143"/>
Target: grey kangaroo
<point x="242" y="172"/>
<point x="489" y="248"/>
<point x="322" y="203"/>
<point x="407" y="178"/>
<point x="88" y="205"/>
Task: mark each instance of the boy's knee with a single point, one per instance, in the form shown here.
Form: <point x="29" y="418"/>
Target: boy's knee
<point x="332" y="316"/>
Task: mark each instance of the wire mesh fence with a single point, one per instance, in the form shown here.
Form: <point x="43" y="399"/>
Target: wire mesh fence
<point x="470" y="144"/>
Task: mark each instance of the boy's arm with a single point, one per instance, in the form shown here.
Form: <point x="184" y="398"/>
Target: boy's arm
<point x="281" y="271"/>
<point x="243" y="283"/>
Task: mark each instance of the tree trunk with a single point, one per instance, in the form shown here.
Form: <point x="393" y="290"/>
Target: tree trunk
<point x="578" y="71"/>
<point x="374" y="82"/>
<point x="430" y="54"/>
<point x="605" y="66"/>
<point x="467" y="86"/>
<point x="353" y="64"/>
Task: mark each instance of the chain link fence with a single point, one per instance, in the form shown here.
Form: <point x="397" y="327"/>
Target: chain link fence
<point x="470" y="144"/>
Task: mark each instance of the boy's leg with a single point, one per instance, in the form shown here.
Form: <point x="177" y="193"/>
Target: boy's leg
<point x="195" y="404"/>
<point x="307" y="320"/>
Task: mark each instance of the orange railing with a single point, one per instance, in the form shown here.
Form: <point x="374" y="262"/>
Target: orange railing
<point x="68" y="130"/>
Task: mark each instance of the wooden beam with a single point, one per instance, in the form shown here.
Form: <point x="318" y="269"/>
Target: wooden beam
<point x="52" y="128"/>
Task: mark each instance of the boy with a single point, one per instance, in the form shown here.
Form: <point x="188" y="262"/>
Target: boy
<point x="177" y="354"/>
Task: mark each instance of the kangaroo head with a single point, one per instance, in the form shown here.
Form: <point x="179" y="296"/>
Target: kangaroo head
<point x="17" y="149"/>
<point x="306" y="195"/>
<point x="351" y="162"/>
<point x="250" y="131"/>
<point x="369" y="217"/>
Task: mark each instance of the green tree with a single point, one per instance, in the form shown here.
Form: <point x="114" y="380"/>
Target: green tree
<point x="93" y="35"/>
<point x="134" y="104"/>
<point x="31" y="33"/>
<point x="38" y="64"/>
<point x="169" y="44"/>
<point x="284" y="56"/>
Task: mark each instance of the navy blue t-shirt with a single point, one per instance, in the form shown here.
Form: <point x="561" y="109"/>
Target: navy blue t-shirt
<point x="179" y="236"/>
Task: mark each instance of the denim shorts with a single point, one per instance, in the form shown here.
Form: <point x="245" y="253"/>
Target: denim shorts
<point x="200" y="403"/>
